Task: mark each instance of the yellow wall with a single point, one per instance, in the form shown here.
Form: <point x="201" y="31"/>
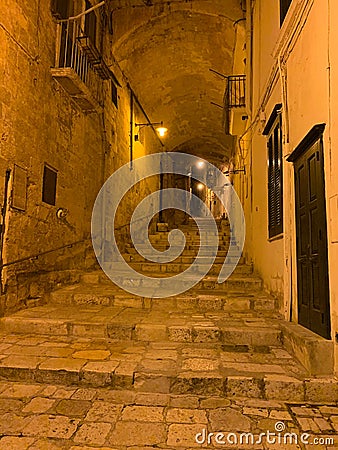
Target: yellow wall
<point x="311" y="93"/>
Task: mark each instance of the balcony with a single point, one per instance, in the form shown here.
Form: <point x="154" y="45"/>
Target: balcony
<point x="79" y="67"/>
<point x="234" y="105"/>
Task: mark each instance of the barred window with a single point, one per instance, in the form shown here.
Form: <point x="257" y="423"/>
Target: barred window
<point x="273" y="131"/>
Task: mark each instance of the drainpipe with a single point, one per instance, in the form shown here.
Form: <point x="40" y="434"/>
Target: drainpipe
<point x="2" y="226"/>
<point x="131" y="136"/>
<point x="248" y="56"/>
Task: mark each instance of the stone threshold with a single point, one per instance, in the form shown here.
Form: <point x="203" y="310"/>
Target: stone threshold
<point x="315" y="353"/>
<point x="120" y="323"/>
<point x="162" y="368"/>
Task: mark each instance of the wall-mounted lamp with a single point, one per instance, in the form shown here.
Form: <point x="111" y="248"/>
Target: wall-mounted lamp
<point x="200" y="186"/>
<point x="234" y="171"/>
<point x="62" y="213"/>
<point x="161" y="130"/>
<point x="200" y="164"/>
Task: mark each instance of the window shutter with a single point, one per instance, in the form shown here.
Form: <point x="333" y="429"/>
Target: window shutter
<point x="275" y="173"/>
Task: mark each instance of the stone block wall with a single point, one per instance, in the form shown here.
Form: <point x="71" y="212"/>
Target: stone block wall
<point x="40" y="124"/>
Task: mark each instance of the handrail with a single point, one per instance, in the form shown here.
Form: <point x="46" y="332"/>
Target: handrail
<point x="87" y="11"/>
<point x="28" y="258"/>
<point x="136" y="220"/>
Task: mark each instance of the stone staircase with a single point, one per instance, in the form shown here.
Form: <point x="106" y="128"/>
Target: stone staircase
<point x="223" y="339"/>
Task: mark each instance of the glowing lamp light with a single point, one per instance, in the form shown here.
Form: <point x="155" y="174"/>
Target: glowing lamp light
<point x="200" y="164"/>
<point x="162" y="131"/>
<point x="200" y="186"/>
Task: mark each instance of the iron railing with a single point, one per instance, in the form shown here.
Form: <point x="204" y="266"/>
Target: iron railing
<point x="74" y="50"/>
<point x="235" y="91"/>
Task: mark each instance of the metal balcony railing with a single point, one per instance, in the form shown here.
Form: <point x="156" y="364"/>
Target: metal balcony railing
<point x="235" y="91"/>
<point x="75" y="51"/>
<point x="234" y="100"/>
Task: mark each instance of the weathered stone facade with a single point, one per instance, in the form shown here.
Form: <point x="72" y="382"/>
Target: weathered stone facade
<point x="41" y="124"/>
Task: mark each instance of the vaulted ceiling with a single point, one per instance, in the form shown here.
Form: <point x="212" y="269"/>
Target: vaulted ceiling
<point x="166" y="49"/>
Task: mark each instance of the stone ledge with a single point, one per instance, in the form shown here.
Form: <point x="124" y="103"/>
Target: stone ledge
<point x="312" y="351"/>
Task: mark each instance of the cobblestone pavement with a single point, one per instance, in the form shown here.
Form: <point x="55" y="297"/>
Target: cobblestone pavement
<point x="51" y="417"/>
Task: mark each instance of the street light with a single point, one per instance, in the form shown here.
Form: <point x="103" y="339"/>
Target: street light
<point x="161" y="130"/>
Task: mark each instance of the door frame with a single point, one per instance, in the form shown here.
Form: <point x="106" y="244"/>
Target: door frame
<point x="314" y="135"/>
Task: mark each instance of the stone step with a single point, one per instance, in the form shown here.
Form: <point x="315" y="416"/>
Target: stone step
<point x="132" y="255"/>
<point x="92" y="292"/>
<point x="188" y="249"/>
<point x="193" y="236"/>
<point x="264" y="372"/>
<point x="145" y="267"/>
<point x="234" y="283"/>
<point x="120" y="323"/>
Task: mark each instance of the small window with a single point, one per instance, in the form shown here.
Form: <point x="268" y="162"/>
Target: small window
<point x="61" y="9"/>
<point x="273" y="131"/>
<point x="90" y="24"/>
<point x="49" y="185"/>
<point x="283" y="9"/>
<point x="114" y="97"/>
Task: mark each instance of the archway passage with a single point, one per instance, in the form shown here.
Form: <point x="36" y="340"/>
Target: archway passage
<point x="166" y="49"/>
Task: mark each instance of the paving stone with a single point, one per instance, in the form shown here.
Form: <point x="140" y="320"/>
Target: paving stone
<point x="180" y="415"/>
<point x="206" y="334"/>
<point x="152" y="399"/>
<point x="261" y="412"/>
<point x="305" y="411"/>
<point x="308" y="424"/>
<point x="323" y="424"/>
<point x="39" y="405"/>
<point x="73" y="408"/>
<point x="238" y="386"/>
<point x="152" y="382"/>
<point x="280" y="415"/>
<point x="124" y="375"/>
<point x="60" y="370"/>
<point x="200" y="384"/>
<point x="58" y="352"/>
<point x="214" y="402"/>
<point x="99" y="373"/>
<point x="199" y="364"/>
<point x="63" y="392"/>
<point x="81" y="447"/>
<point x="142" y="414"/>
<point x="101" y="411"/>
<point x="84" y="394"/>
<point x="284" y="388"/>
<point x="184" y="435"/>
<point x="153" y="332"/>
<point x="180" y="334"/>
<point x="228" y="419"/>
<point x="92" y="354"/>
<point x="329" y="410"/>
<point x="20" y="361"/>
<point x="11" y="423"/>
<point x="92" y="433"/>
<point x="10" y="405"/>
<point x="116" y="397"/>
<point x="15" y="443"/>
<point x="49" y="444"/>
<point x="51" y="426"/>
<point x="321" y="390"/>
<point x="184" y="401"/>
<point x="18" y="390"/>
<point x="156" y="365"/>
<point x="138" y="433"/>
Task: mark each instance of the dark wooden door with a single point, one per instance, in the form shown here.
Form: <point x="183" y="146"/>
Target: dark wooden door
<point x="312" y="263"/>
